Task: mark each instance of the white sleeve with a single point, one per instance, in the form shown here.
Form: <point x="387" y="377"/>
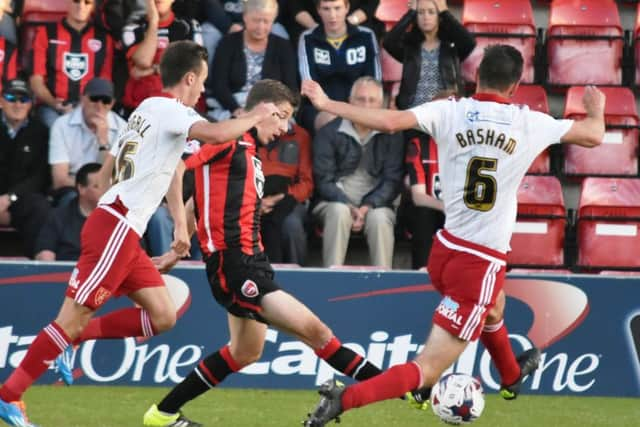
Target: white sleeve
<point x="546" y="129"/>
<point x="58" y="152"/>
<point x="430" y="117"/>
<point x="181" y="120"/>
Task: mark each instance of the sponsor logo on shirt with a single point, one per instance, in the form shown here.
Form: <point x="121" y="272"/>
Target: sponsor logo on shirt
<point x="75" y="65"/>
<point x="322" y="56"/>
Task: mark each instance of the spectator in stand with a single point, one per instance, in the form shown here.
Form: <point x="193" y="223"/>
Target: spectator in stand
<point x="145" y="39"/>
<point x="84" y="135"/>
<point x="303" y="15"/>
<point x="253" y="54"/>
<point x="59" y="238"/>
<point x="431" y="44"/>
<point x="24" y="173"/>
<point x="8" y="62"/>
<point x="287" y="168"/>
<point x="358" y="174"/>
<point x="66" y="55"/>
<point x="335" y="54"/>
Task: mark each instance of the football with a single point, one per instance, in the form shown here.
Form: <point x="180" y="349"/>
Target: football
<point x="457" y="399"/>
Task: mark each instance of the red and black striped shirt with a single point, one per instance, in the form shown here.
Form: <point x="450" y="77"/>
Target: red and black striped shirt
<point x="68" y="59"/>
<point x="8" y="64"/>
<point x="422" y="163"/>
<point x="229" y="185"/>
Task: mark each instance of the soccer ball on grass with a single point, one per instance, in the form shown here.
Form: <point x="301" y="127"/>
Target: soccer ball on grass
<point x="457" y="399"/>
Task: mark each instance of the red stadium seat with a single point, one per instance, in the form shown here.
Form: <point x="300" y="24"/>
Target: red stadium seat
<point x="390" y="11"/>
<point x="391" y="69"/>
<point x="536" y="98"/>
<point x="618" y="154"/>
<point x="40" y="11"/>
<point x="500" y="21"/>
<point x="584" y="43"/>
<point x="608" y="221"/>
<point x="538" y="237"/>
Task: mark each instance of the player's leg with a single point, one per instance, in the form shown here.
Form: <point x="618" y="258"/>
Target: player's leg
<point x="286" y="313"/>
<point x="49" y="343"/>
<point x="495" y="338"/>
<point x="155" y="311"/>
<point x="440" y="351"/>
<point x="245" y="347"/>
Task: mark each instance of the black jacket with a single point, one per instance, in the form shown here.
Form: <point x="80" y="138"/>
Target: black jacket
<point x="456" y="44"/>
<point x="337" y="154"/>
<point x="24" y="164"/>
<point x="230" y="67"/>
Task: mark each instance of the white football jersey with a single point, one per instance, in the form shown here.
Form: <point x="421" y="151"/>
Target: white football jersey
<point x="148" y="152"/>
<point x="485" y="147"/>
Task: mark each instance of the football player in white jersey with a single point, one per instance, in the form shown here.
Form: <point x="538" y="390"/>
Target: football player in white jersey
<point x="112" y="263"/>
<point x="485" y="146"/>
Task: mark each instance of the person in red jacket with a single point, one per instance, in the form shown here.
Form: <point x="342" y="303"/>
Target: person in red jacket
<point x="287" y="166"/>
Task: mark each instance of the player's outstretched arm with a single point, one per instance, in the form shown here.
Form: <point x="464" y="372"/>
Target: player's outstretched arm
<point x="224" y="131"/>
<point x="181" y="238"/>
<point x="588" y="132"/>
<point x="384" y="120"/>
<point x="169" y="259"/>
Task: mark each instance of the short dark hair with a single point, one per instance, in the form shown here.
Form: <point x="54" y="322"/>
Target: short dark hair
<point x="317" y="2"/>
<point x="180" y="58"/>
<point x="82" y="176"/>
<point x="501" y="66"/>
<point x="269" y="90"/>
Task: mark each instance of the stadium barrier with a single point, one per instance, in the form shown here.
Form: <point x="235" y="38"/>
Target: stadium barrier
<point x="588" y="327"/>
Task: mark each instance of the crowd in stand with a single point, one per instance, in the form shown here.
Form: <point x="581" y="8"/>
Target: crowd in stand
<point x="66" y="96"/>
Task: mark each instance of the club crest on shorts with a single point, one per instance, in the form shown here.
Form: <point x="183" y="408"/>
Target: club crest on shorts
<point x="101" y="295"/>
<point x="249" y="289"/>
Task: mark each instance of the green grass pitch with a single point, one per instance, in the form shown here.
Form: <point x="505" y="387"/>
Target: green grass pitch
<point x="91" y="406"/>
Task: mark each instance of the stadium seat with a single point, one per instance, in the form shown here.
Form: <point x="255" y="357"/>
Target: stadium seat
<point x="538" y="237"/>
<point x="390" y="11"/>
<point x="585" y="42"/>
<point x="618" y="154"/>
<point x="536" y="98"/>
<point x="391" y="69"/>
<point x="608" y="221"/>
<point x="500" y="21"/>
<point x="40" y="11"/>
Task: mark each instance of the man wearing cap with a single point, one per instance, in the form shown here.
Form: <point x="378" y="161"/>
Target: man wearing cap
<point x="83" y="136"/>
<point x="24" y="173"/>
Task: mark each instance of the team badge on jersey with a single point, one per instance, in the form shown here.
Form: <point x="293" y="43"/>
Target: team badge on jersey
<point x="163" y="42"/>
<point x="322" y="56"/>
<point x="75" y="65"/>
<point x="249" y="289"/>
<point x="94" y="44"/>
<point x="1" y="55"/>
<point x="258" y="176"/>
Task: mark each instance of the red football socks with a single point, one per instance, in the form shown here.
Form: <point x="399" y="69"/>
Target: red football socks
<point x="495" y="338"/>
<point x="391" y="384"/>
<point x="48" y="345"/>
<point x="127" y="322"/>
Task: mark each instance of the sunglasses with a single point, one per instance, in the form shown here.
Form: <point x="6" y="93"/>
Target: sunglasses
<point x="106" y="100"/>
<point x="86" y="2"/>
<point x="10" y="97"/>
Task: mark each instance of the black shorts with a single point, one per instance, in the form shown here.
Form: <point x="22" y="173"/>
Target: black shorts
<point x="239" y="281"/>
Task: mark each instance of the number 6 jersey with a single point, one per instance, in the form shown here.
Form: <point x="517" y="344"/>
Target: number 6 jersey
<point x="485" y="147"/>
<point x="147" y="154"/>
